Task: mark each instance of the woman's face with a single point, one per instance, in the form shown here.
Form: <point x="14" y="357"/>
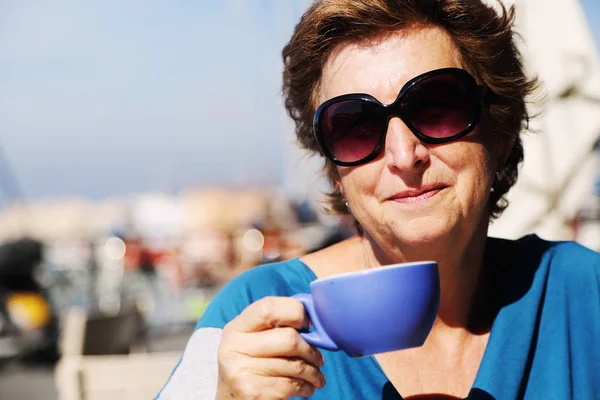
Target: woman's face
<point x="412" y="193"/>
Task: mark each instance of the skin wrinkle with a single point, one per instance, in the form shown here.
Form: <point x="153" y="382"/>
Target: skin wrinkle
<point x="455" y="219"/>
<point x="464" y="167"/>
<point x="394" y="89"/>
<point x="449" y="227"/>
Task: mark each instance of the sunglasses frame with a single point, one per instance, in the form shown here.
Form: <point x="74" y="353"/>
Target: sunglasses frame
<point x="480" y="94"/>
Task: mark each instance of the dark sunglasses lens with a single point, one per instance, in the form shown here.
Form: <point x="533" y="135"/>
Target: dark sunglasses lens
<point x="441" y="106"/>
<point x="351" y="129"/>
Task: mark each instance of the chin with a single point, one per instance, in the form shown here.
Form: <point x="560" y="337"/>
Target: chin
<point x="427" y="230"/>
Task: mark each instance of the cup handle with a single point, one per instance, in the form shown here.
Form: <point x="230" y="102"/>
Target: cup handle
<point x="318" y="337"/>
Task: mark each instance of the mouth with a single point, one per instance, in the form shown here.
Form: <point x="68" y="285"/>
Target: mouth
<point x="417" y="195"/>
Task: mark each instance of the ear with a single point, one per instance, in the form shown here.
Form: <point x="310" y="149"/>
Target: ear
<point x="339" y="187"/>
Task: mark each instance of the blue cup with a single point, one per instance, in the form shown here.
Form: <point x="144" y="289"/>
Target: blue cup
<point x="373" y="311"/>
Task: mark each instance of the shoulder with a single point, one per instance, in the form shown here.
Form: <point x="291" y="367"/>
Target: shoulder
<point x="572" y="261"/>
<point x="276" y="279"/>
<point x="565" y="261"/>
<point x="568" y="255"/>
<point x="574" y="251"/>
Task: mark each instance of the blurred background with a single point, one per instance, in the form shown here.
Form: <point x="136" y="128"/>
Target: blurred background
<point x="146" y="159"/>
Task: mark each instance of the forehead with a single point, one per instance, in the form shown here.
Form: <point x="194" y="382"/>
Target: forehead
<point x="381" y="66"/>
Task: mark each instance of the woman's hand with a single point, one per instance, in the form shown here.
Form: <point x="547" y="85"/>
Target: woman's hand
<point x="262" y="356"/>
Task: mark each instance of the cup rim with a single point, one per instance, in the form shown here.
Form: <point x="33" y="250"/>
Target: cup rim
<point x="370" y="270"/>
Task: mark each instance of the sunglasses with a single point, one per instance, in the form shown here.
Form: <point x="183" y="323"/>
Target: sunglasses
<point x="438" y="106"/>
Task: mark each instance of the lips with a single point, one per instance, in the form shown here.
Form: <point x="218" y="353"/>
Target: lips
<point x="412" y="195"/>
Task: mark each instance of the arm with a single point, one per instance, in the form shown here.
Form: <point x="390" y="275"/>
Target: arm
<point x="236" y="350"/>
<point x="195" y="377"/>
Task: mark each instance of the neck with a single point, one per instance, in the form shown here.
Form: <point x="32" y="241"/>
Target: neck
<point x="460" y="264"/>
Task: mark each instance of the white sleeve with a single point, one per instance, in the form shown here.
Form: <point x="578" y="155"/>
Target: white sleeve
<point x="195" y="377"/>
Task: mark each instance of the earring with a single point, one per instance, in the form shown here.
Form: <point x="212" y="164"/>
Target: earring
<point x="348" y="207"/>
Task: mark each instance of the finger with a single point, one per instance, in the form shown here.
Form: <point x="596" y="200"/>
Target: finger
<point x="269" y="312"/>
<point x="279" y="342"/>
<point x="269" y="387"/>
<point x="285" y="387"/>
<point x="292" y="368"/>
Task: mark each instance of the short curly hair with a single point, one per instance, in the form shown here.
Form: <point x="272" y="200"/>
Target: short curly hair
<point x="483" y="35"/>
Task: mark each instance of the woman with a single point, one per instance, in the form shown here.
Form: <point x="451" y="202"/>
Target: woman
<point x="423" y="177"/>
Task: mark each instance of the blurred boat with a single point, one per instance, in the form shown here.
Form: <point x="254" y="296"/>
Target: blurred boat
<point x="28" y="326"/>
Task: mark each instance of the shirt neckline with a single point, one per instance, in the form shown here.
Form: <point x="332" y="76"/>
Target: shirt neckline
<point x="486" y="358"/>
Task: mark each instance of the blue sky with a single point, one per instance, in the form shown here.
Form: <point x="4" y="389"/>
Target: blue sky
<point x="104" y="98"/>
<point x="592" y="10"/>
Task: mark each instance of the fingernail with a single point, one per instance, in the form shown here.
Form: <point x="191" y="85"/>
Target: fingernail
<point x="322" y="360"/>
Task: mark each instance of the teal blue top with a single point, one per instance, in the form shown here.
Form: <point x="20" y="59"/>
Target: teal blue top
<point x="544" y="342"/>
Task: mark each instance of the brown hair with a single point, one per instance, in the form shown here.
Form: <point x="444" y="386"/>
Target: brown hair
<point x="483" y="36"/>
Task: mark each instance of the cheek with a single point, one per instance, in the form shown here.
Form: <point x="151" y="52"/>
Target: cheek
<point x="473" y="168"/>
<point x="356" y="182"/>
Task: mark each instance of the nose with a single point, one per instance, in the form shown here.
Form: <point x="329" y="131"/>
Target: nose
<point x="403" y="150"/>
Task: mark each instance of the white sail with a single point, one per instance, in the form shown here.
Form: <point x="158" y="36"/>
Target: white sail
<point x="559" y="169"/>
